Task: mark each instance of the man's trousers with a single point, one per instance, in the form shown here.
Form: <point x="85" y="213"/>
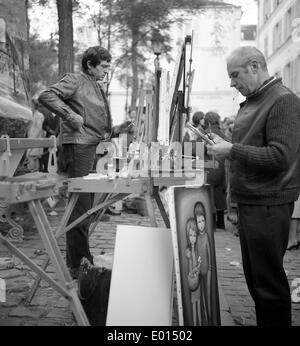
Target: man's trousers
<point x="79" y="161"/>
<point x="264" y="232"/>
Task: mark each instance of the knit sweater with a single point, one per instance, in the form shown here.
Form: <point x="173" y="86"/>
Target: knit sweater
<point x="265" y="157"/>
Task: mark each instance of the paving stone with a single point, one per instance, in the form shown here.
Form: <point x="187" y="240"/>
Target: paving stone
<point x="30" y="322"/>
<point x="43" y="300"/>
<point x="12" y="300"/>
<point x="59" y="314"/>
<point x="10" y="322"/>
<point x="62" y="303"/>
<point x="4" y="311"/>
<point x="10" y="273"/>
<point x="21" y="311"/>
<point x="19" y="284"/>
<point x="50" y="322"/>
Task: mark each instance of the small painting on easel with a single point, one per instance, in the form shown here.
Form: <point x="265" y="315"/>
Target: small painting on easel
<point x="195" y="259"/>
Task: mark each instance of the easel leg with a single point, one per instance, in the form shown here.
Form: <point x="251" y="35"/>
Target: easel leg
<point x="57" y="260"/>
<point x="36" y="283"/>
<point x="14" y="250"/>
<point x="59" y="231"/>
<point x="162" y="209"/>
<point x="150" y="209"/>
<point x="99" y="214"/>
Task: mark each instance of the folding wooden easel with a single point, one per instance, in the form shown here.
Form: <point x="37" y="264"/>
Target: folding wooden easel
<point x="31" y="189"/>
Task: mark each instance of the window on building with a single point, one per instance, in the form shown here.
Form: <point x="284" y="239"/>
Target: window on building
<point x="266" y="10"/>
<point x="277" y="74"/>
<point x="2" y="33"/>
<point x="297" y="75"/>
<point x="287" y="75"/>
<point x="196" y="38"/>
<point x="277" y="35"/>
<point x="188" y="27"/>
<point x="276" y="3"/>
<point x="297" y="4"/>
<point x="288" y="23"/>
<point x="295" y="13"/>
<point x="248" y="32"/>
<point x="266" y="46"/>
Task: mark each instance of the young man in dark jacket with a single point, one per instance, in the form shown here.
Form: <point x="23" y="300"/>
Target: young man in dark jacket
<point x="265" y="179"/>
<point x="79" y="100"/>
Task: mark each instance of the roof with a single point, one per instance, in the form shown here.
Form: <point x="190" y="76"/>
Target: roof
<point x="248" y="27"/>
<point x="202" y="3"/>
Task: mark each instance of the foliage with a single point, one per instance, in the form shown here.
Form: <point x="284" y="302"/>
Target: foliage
<point x="43" y="62"/>
<point x="14" y="128"/>
<point x="135" y="24"/>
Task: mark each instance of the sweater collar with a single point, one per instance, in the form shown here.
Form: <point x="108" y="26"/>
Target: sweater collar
<point x="264" y="87"/>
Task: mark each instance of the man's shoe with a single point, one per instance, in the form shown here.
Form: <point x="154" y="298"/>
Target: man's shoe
<point x="220" y="225"/>
<point x="112" y="211"/>
<point x="105" y="218"/>
<point x="74" y="273"/>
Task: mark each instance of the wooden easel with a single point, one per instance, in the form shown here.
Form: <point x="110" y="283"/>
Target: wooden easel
<point x="32" y="189"/>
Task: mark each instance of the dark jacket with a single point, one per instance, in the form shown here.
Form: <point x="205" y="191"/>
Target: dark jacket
<point x="79" y="96"/>
<point x="265" y="157"/>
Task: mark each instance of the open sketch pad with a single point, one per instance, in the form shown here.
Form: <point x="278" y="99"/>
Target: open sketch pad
<point x="141" y="290"/>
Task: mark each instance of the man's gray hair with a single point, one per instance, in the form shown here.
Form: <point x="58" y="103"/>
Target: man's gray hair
<point x="247" y="54"/>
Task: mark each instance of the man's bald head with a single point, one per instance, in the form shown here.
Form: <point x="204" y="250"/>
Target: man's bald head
<point x="247" y="69"/>
<point x="245" y="55"/>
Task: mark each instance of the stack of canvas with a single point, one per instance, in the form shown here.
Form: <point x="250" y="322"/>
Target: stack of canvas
<point x="15" y="118"/>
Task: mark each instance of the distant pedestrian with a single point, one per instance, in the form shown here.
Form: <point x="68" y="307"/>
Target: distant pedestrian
<point x="34" y="155"/>
<point x="229" y="127"/>
<point x="51" y="126"/>
<point x="216" y="177"/>
<point x="294" y="235"/>
<point x="197" y="118"/>
<point x="189" y="135"/>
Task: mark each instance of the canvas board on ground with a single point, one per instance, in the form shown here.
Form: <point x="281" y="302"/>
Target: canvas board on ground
<point x="141" y="290"/>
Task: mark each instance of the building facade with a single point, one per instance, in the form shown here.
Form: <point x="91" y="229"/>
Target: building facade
<point x="216" y="31"/>
<point x="278" y="36"/>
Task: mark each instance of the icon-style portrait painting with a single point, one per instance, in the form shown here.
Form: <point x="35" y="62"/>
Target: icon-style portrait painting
<point x="192" y="221"/>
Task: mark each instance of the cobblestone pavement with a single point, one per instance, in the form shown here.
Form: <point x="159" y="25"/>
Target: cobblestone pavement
<point x="49" y="308"/>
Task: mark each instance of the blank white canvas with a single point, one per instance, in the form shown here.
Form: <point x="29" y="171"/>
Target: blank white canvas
<point x="141" y="290"/>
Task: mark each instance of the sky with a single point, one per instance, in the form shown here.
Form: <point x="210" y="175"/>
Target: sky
<point x="249" y="8"/>
<point x="48" y="24"/>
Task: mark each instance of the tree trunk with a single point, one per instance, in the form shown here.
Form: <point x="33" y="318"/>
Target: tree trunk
<point x="27" y="6"/>
<point x="135" y="78"/>
<point x="26" y="70"/>
<point x="65" y="31"/>
<point x="109" y="26"/>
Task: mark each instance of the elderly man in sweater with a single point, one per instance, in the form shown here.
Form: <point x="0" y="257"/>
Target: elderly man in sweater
<point x="265" y="179"/>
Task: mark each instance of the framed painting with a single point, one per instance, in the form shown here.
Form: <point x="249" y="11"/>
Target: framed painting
<point x="191" y="219"/>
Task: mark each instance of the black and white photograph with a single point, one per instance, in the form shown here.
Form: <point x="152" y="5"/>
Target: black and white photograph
<point x="150" y="166"/>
